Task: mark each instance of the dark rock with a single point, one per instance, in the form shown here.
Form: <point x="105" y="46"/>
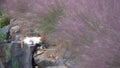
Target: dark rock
<point x="3" y="55"/>
<point x="21" y="56"/>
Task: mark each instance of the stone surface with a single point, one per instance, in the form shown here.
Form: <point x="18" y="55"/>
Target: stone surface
<point x="22" y="56"/>
<point x="60" y="61"/>
<point x="14" y="30"/>
<point x="19" y="37"/>
<point x="44" y="61"/>
<point x="6" y="29"/>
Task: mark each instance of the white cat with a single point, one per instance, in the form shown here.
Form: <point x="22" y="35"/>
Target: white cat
<point x="32" y="40"/>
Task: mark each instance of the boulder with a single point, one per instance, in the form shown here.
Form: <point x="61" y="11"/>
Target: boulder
<point x="27" y="57"/>
<point x="14" y="30"/>
<point x="21" y="57"/>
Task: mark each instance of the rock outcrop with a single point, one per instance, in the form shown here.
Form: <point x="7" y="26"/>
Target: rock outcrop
<point x="15" y="56"/>
<point x="24" y="57"/>
<point x="21" y="56"/>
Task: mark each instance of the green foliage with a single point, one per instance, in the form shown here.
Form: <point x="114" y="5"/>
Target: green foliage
<point x="8" y="53"/>
<point x="49" y="21"/>
<point x="4" y="21"/>
<point x="15" y="64"/>
<point x="4" y="18"/>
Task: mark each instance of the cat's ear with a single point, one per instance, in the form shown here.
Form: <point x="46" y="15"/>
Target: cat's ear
<point x="42" y="38"/>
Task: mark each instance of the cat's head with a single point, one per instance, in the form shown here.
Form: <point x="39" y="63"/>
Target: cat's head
<point x="42" y="39"/>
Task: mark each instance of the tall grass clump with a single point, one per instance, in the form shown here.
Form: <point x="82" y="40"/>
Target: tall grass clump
<point x="4" y="21"/>
<point x="49" y="22"/>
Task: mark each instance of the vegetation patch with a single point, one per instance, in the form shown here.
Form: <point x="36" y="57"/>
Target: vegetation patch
<point x="15" y="64"/>
<point x="4" y="21"/>
<point x="49" y="22"/>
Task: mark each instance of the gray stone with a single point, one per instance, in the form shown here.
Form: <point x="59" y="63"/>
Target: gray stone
<point x="14" y="30"/>
<point x="70" y="63"/>
<point x="6" y="29"/>
<point x="60" y="61"/>
<point x="67" y="54"/>
<point x="22" y="56"/>
<point x="19" y="37"/>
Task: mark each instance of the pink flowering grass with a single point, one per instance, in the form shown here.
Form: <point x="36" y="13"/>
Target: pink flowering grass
<point x="90" y="28"/>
